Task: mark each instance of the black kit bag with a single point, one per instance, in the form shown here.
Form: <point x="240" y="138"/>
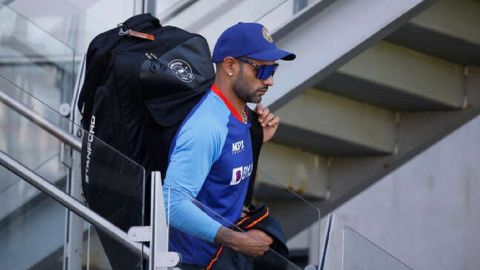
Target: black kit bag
<point x="141" y="81"/>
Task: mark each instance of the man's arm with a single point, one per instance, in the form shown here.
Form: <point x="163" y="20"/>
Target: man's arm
<point x="196" y="149"/>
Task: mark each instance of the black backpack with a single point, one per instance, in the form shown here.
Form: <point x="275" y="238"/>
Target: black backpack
<point x="135" y="95"/>
<point x="141" y="81"/>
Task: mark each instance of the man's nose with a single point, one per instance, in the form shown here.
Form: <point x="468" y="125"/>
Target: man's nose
<point x="269" y="81"/>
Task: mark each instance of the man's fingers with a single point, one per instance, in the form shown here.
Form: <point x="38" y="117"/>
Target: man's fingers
<point x="274" y="122"/>
<point x="265" y="111"/>
<point x="259" y="108"/>
<point x="268" y="118"/>
<point x="261" y="236"/>
<point x="264" y="115"/>
<point x="253" y="244"/>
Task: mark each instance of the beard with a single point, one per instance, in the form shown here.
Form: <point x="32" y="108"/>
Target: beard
<point x="244" y="92"/>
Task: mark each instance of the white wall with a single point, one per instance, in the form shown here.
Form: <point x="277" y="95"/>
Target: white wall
<point x="426" y="213"/>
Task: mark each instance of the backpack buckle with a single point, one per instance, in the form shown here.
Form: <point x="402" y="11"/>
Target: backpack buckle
<point x="122" y="32"/>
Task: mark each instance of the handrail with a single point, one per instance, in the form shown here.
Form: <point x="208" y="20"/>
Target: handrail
<point x="72" y="204"/>
<point x="40" y="121"/>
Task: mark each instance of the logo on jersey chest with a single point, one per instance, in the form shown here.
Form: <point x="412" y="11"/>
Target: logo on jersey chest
<point x="238" y="147"/>
<point x="240" y="173"/>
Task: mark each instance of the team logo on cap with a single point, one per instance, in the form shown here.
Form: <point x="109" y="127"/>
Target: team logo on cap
<point x="266" y="35"/>
<point x="182" y="70"/>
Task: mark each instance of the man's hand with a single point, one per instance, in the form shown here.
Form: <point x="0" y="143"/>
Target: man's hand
<point x="253" y="243"/>
<point x="268" y="121"/>
<point x="260" y="236"/>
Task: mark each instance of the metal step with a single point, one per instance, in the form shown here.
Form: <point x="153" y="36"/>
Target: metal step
<point x="398" y="78"/>
<point x="349" y="176"/>
<point x="331" y="125"/>
<point x="283" y="168"/>
<point x="448" y="29"/>
<point x="326" y="40"/>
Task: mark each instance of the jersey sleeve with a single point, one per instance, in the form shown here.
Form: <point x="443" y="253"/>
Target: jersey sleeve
<point x="194" y="152"/>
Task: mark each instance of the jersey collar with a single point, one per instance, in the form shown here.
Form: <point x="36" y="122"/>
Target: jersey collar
<point x="230" y="106"/>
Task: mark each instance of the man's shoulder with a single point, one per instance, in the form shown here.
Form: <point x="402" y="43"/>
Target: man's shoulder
<point x="211" y="113"/>
<point x="208" y="120"/>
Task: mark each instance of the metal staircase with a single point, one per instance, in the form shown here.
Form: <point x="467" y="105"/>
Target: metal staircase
<point x="375" y="83"/>
<point x="347" y="128"/>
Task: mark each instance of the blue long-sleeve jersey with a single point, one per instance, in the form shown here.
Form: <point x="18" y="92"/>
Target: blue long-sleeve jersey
<point x="207" y="177"/>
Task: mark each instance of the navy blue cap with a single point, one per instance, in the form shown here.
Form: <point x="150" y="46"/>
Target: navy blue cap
<point x="251" y="40"/>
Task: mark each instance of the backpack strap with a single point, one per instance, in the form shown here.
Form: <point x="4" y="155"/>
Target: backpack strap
<point x="256" y="135"/>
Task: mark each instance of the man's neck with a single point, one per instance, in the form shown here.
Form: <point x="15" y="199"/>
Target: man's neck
<point x="228" y="92"/>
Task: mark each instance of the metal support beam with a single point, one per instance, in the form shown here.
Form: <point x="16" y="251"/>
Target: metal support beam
<point x="298" y="5"/>
<point x="157" y="233"/>
<point x="321" y="50"/>
<point x="138" y="7"/>
<point x="161" y="258"/>
<point x="150" y="6"/>
<point x="73" y="246"/>
<point x="75" y="225"/>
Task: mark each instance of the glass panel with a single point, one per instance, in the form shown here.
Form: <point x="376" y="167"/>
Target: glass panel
<point x="32" y="233"/>
<point x="347" y="249"/>
<point x="201" y="253"/>
<point x="33" y="236"/>
<point x="34" y="59"/>
<point x="115" y="188"/>
<point x="360" y="253"/>
<point x="25" y="141"/>
<point x="75" y="22"/>
<point x="291" y="206"/>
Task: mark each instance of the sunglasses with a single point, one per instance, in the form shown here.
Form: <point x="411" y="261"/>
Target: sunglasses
<point x="263" y="71"/>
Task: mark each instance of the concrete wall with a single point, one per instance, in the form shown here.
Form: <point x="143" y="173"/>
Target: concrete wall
<point x="425" y="213"/>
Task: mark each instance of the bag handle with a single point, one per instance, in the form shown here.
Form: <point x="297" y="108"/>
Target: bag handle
<point x="138" y="20"/>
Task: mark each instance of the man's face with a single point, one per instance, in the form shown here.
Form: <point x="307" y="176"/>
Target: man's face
<point x="247" y="86"/>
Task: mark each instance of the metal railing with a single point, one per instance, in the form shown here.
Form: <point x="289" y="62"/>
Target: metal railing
<point x="72" y="204"/>
<point x="41" y="122"/>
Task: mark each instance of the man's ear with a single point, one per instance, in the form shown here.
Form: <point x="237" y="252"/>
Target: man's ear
<point x="229" y="66"/>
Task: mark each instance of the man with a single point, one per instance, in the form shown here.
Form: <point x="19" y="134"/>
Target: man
<point x="211" y="157"/>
